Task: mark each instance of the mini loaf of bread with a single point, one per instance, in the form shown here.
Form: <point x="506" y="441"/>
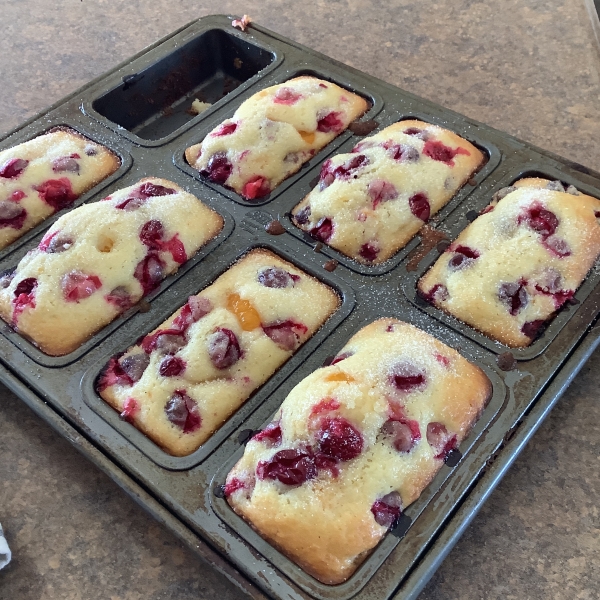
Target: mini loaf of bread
<point x="511" y="269"/>
<point x="190" y="374"/>
<point x="370" y="203"/>
<point x="45" y="175"/>
<point x="100" y="259"/>
<point x="354" y="444"/>
<point x="273" y="133"/>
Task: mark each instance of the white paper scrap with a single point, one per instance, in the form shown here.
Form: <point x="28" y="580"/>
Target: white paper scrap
<point x="5" y="554"/>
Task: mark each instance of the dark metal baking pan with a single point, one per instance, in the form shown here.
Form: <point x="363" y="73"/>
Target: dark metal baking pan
<point x="62" y="392"/>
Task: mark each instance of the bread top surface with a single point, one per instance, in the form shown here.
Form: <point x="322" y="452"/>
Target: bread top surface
<point x="268" y="305"/>
<point x="46" y="174"/>
<point x="509" y="271"/>
<point x="388" y="372"/>
<point x="273" y="133"/>
<point x="371" y="202"/>
<point x="64" y="290"/>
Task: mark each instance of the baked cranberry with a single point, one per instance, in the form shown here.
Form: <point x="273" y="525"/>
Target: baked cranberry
<point x="286" y="95"/>
<point x="224" y="129"/>
<point x="341" y="357"/>
<point x="406" y="377"/>
<point x="134" y="365"/>
<point x="6" y="277"/>
<point x="167" y="341"/>
<point x="13" y="168"/>
<point x="176" y="248"/>
<point x="553" y="289"/>
<point x="438" y="293"/>
<point x="514" y="296"/>
<point x="323" y="230"/>
<point x="113" y="374"/>
<point x="65" y="163"/>
<point x="171" y="366"/>
<point x="549" y="281"/>
<point x="270" y="435"/>
<point x="182" y="411"/>
<point x="130" y="204"/>
<point x="303" y="216"/>
<point x="557" y="246"/>
<point x="369" y="251"/>
<point x="58" y="193"/>
<point x="290" y="467"/>
<point x="443" y="360"/>
<point x="130" y="409"/>
<point x="387" y="510"/>
<point x="149" y="189"/>
<point x="191" y="312"/>
<point x="380" y="191"/>
<point x="540" y="220"/>
<point x="120" y="298"/>
<point x="12" y="215"/>
<point x="17" y="195"/>
<point x="149" y="272"/>
<point x="24" y="296"/>
<point x="286" y="334"/>
<point x="463" y="257"/>
<point x="55" y="243"/>
<point x="364" y="145"/>
<point x="405" y="433"/>
<point x="232" y="486"/>
<point x="275" y="277"/>
<point x="439" y="151"/>
<point x="339" y="439"/>
<point x="414" y="131"/>
<point x="401" y="152"/>
<point x="78" y="285"/>
<point x="218" y="168"/>
<point x="440" y="439"/>
<point x="326" y="405"/>
<point x="151" y="234"/>
<point x="223" y="348"/>
<point x="532" y="328"/>
<point x="419" y="206"/>
<point x="330" y="123"/>
<point x="257" y="187"/>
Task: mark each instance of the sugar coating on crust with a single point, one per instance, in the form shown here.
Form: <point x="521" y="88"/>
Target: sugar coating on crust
<point x="511" y="269"/>
<point x="273" y="133"/>
<point x="47" y="174"/>
<point x="100" y="259"/>
<point x="354" y="444"/>
<point x="371" y="202"/>
<point x="185" y="378"/>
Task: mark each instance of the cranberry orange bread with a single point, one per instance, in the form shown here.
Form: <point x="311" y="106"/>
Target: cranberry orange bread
<point x="370" y="203"/>
<point x="99" y="259"/>
<point x="354" y="444"/>
<point x="273" y="133"/>
<point x="47" y="174"/>
<point x="189" y="375"/>
<point x="511" y="269"/>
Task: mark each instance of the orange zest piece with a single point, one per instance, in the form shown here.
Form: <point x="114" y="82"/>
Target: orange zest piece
<point x="307" y="136"/>
<point x="245" y="313"/>
<point x="340" y="376"/>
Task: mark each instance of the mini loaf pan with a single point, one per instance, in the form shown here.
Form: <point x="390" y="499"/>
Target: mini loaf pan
<point x="139" y="110"/>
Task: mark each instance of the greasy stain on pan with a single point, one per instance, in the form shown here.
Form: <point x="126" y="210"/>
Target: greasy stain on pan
<point x="139" y="110"/>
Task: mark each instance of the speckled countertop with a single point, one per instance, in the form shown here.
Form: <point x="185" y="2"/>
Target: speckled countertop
<point x="528" y="67"/>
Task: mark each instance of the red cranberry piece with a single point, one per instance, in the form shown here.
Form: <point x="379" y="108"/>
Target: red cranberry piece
<point x="540" y="220"/>
<point x="380" y="191"/>
<point x="330" y="123"/>
<point x="13" y="168"/>
<point x="17" y="195"/>
<point x="78" y="285"/>
<point x="148" y="189"/>
<point x="114" y="374"/>
<point x="419" y="206"/>
<point x="151" y="234"/>
<point x="275" y="277"/>
<point x="218" y="168"/>
<point x="463" y="257"/>
<point x="223" y="348"/>
<point x="440" y="439"/>
<point x="12" y="215"/>
<point x="439" y="151"/>
<point x="224" y="129"/>
<point x="182" y="411"/>
<point x="54" y="243"/>
<point x="413" y="131"/>
<point x="119" y="297"/>
<point x="130" y="409"/>
<point x="167" y="341"/>
<point x="401" y="152"/>
<point x="232" y="486"/>
<point x="56" y="192"/>
<point x="65" y="163"/>
<point x="532" y="328"/>
<point x="6" y="277"/>
<point x="323" y="230"/>
<point x="405" y="433"/>
<point x="286" y="95"/>
<point x="387" y="511"/>
<point x="438" y="293"/>
<point x="406" y="377"/>
<point x="270" y="435"/>
<point x="303" y="216"/>
<point x="557" y="247"/>
<point x="290" y="467"/>
<point x="339" y="439"/>
<point x="24" y="296"/>
<point x="550" y="286"/>
<point x="131" y="204"/>
<point x="149" y="272"/>
<point x="326" y="405"/>
<point x="134" y="365"/>
<point x="25" y="286"/>
<point x="369" y="251"/>
<point x="514" y="296"/>
<point x="171" y="366"/>
<point x="191" y="312"/>
<point x="285" y="333"/>
<point x="257" y="187"/>
<point x="341" y="357"/>
<point x="176" y="248"/>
